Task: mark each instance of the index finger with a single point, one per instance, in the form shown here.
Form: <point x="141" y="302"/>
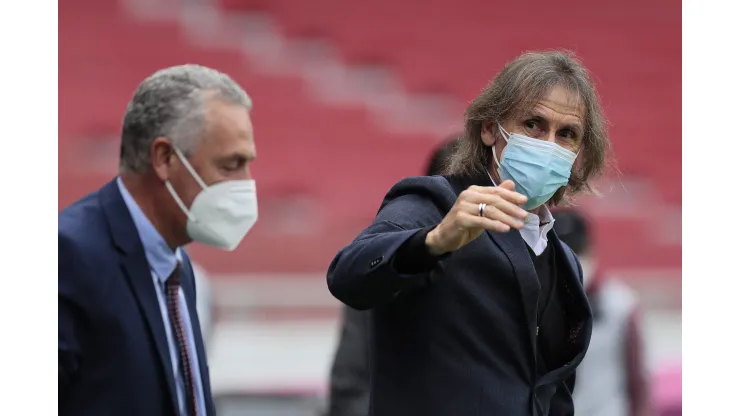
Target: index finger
<point x="511" y="196"/>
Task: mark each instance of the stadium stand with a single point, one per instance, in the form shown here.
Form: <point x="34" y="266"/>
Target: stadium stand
<point x="323" y="167"/>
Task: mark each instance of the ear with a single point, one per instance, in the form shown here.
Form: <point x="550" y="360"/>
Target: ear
<point x="162" y="156"/>
<point x="487" y="133"/>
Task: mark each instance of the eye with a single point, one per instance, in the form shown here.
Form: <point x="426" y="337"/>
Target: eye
<point x="567" y="133"/>
<point x="533" y="127"/>
<point x="234" y="164"/>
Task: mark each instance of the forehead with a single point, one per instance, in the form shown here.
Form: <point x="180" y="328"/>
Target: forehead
<point x="229" y="128"/>
<point x="560" y="105"/>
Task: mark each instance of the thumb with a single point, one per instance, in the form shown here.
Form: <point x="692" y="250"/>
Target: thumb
<point x="508" y="184"/>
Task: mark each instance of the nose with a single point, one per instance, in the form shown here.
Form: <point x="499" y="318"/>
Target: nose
<point x="551" y="136"/>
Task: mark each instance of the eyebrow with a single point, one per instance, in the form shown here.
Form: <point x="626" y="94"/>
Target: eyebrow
<point x="535" y="113"/>
<point x="239" y="157"/>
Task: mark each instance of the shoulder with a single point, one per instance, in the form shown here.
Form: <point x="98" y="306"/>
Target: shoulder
<point x="430" y="187"/>
<point x="417" y="201"/>
<point x="84" y="246"/>
<point x="431" y="191"/>
<point x="82" y="220"/>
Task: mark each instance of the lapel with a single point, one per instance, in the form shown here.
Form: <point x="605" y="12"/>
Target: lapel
<point x="576" y="305"/>
<point x="188" y="278"/>
<point x="570" y="275"/>
<point x="137" y="271"/>
<point x="573" y="275"/>
<point x="515" y="249"/>
<point x="513" y="246"/>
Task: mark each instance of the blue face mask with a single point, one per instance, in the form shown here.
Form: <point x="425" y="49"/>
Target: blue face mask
<point x="538" y="168"/>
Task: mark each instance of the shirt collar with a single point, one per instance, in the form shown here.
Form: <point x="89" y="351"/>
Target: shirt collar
<point x="162" y="260"/>
<point x="541" y="223"/>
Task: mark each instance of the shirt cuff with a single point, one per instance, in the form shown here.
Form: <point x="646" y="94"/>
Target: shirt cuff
<point x="413" y="257"/>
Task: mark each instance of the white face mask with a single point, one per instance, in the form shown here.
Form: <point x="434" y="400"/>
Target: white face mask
<point x="221" y="214"/>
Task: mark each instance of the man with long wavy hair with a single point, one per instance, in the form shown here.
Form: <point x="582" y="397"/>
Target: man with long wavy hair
<point x="477" y="306"/>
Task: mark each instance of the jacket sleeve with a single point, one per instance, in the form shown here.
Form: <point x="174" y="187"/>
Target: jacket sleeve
<point x="390" y="257"/>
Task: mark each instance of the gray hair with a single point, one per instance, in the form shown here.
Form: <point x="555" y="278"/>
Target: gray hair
<point x="171" y="103"/>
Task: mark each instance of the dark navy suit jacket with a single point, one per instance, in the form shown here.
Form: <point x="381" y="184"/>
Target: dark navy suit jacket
<point x="460" y="338"/>
<point x="113" y="352"/>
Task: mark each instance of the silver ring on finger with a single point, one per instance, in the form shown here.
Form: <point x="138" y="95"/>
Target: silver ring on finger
<point x="481" y="209"/>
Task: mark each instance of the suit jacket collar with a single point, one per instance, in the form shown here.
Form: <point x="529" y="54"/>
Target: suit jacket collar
<point x="162" y="259"/>
<point x="121" y="225"/>
<point x="514" y="247"/>
<point x="188" y="275"/>
<point x="138" y="273"/>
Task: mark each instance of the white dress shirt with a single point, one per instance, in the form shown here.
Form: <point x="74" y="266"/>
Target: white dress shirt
<point x="536" y="227"/>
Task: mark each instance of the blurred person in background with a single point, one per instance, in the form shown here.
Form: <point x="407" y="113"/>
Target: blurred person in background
<point x="477" y="307"/>
<point x="129" y="338"/>
<point x="612" y="380"/>
<point x="349" y="383"/>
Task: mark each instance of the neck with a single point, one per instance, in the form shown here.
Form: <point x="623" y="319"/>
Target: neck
<point x="537" y="211"/>
<point x="140" y="188"/>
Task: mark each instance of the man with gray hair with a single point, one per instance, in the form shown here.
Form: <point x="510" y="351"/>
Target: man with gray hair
<point x="129" y="338"/>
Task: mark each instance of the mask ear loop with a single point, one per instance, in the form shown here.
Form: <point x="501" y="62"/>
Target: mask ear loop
<point x="493" y="150"/>
<point x="190" y="169"/>
<point x="179" y="202"/>
<point x="504" y="135"/>
<point x="195" y="176"/>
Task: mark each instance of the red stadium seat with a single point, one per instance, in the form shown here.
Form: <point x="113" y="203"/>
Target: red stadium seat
<point x="338" y="157"/>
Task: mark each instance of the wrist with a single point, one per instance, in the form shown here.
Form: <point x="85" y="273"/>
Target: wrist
<point x="432" y="243"/>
